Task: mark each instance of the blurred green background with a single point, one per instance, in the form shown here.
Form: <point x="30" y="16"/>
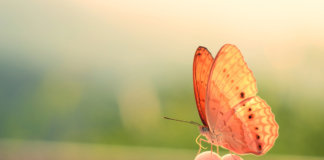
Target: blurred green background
<point x="91" y="79"/>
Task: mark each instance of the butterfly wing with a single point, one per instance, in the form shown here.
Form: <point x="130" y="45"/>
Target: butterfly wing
<point x="252" y="128"/>
<point x="201" y="67"/>
<point x="230" y="83"/>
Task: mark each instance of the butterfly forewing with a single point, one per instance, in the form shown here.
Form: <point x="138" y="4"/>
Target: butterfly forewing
<point x="201" y="69"/>
<point x="232" y="75"/>
<point x="230" y="81"/>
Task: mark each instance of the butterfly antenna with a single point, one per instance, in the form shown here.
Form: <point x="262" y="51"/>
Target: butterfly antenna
<point x="190" y="122"/>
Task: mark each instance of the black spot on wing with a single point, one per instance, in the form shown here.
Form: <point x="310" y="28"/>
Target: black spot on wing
<point x="260" y="147"/>
<point x="242" y="94"/>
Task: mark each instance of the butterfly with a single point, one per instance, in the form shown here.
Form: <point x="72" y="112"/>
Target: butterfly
<point x="233" y="116"/>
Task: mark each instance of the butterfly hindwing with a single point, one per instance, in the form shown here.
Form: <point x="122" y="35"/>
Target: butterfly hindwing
<point x="260" y="124"/>
<point x="251" y="129"/>
<point x="201" y="69"/>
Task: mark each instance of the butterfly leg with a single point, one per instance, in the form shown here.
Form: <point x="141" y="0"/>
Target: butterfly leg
<point x="199" y="143"/>
<point x="204" y="141"/>
<point x="211" y="149"/>
<point x="217" y="149"/>
<point x="197" y="140"/>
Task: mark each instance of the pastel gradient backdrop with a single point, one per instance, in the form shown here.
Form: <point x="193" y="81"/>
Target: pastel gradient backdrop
<point x="91" y="79"/>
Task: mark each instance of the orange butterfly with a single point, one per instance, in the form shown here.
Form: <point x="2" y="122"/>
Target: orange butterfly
<point x="233" y="116"/>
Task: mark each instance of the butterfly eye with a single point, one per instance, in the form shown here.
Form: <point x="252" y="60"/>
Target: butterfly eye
<point x="205" y="129"/>
<point x="250" y="116"/>
<point x="257" y="136"/>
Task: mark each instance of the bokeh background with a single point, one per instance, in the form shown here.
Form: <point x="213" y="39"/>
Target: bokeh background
<point x="91" y="79"/>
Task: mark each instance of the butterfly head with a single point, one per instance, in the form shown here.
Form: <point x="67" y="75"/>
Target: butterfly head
<point x="214" y="138"/>
<point x="203" y="129"/>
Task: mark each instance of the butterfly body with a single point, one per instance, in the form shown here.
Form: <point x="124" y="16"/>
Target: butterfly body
<point x="233" y="116"/>
<point x="212" y="138"/>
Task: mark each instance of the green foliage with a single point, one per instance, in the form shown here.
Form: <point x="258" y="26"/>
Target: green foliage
<point x="59" y="105"/>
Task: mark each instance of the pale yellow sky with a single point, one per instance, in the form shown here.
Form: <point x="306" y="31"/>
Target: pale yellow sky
<point x="282" y="38"/>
